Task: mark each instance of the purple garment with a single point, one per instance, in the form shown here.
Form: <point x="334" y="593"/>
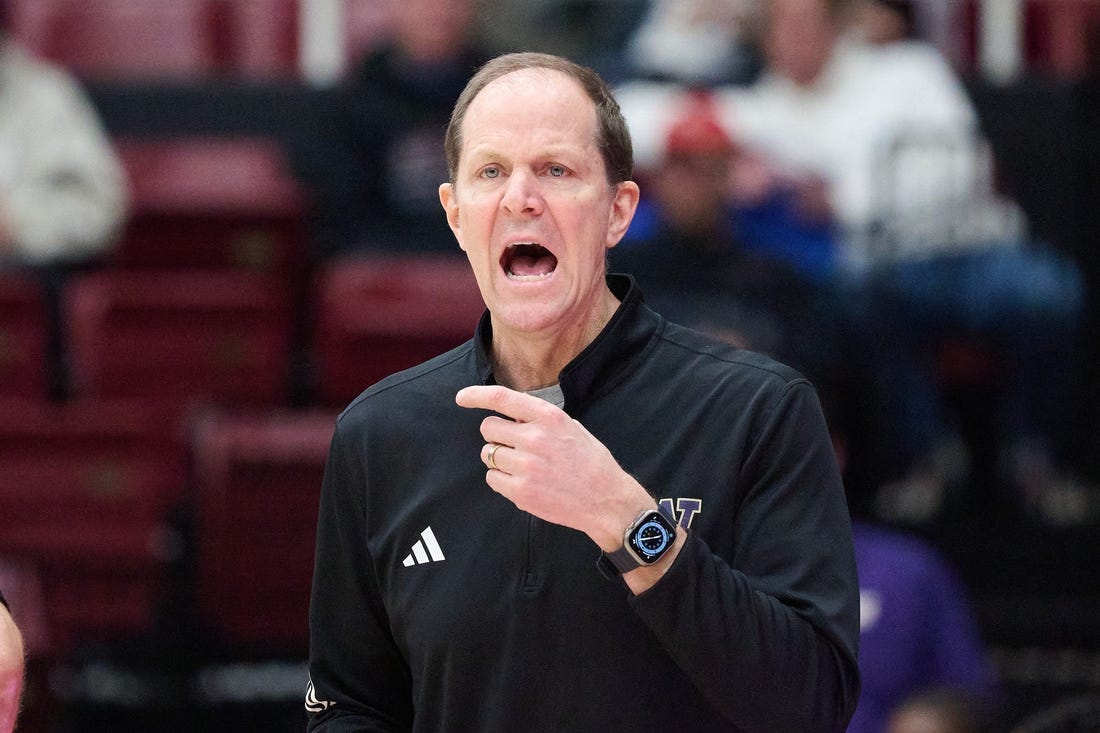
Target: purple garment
<point x="917" y="629"/>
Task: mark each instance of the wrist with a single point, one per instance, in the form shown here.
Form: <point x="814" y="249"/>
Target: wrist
<point x="646" y="541"/>
<point x="645" y="577"/>
<point x="616" y="519"/>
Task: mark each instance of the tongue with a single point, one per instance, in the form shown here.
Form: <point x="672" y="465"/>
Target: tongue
<point x="524" y="264"/>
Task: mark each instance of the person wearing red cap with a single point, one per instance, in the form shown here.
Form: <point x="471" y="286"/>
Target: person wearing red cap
<point x="707" y="255"/>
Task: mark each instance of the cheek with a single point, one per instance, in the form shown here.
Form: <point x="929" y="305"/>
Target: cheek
<point x="476" y="220"/>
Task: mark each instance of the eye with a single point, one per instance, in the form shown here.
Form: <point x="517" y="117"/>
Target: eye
<point x="490" y="171"/>
<point x="557" y="171"/>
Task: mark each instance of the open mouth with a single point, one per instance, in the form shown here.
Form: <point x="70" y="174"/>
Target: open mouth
<point x="528" y="261"/>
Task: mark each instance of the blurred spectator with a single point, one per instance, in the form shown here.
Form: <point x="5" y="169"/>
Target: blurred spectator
<point x="917" y="630"/>
<point x="941" y="23"/>
<point x="591" y="32"/>
<point x="884" y="21"/>
<point x="884" y="140"/>
<point x="687" y="248"/>
<point x="940" y="711"/>
<point x="768" y="215"/>
<point x="379" y="160"/>
<point x="695" y="42"/>
<point x="62" y="190"/>
<point x="832" y="108"/>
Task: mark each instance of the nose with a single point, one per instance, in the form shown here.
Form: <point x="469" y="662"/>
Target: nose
<point x="521" y="195"/>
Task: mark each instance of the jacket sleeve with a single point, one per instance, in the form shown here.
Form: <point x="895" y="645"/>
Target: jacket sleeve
<point x="770" y="635"/>
<point x="358" y="678"/>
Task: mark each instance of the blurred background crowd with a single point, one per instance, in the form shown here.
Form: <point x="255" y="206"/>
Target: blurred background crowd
<point x="219" y="222"/>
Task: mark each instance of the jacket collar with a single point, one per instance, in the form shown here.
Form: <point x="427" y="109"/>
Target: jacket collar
<point x="611" y="356"/>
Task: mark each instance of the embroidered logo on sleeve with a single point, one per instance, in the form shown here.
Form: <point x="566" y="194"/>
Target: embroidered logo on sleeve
<point x="425" y="550"/>
<point x="684" y="508"/>
<point x="313" y="705"/>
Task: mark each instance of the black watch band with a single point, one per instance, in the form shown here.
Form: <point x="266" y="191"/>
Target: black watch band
<point x="645" y="542"/>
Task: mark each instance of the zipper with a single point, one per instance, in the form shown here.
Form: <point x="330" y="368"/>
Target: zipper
<point x="531" y="577"/>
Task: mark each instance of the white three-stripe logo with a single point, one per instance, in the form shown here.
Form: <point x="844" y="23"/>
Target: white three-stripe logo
<point x="313" y="704"/>
<point x="425" y="550"/>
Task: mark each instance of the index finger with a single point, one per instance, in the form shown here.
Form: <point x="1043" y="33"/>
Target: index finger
<point x="508" y="402"/>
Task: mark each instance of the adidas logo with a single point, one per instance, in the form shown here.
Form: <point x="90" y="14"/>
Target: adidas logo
<point x="313" y="704"/>
<point x="425" y="550"/>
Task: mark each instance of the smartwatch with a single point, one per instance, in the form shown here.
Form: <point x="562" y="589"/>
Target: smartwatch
<point x="645" y="541"/>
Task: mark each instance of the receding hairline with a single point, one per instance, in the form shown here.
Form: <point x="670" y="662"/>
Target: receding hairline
<point x="612" y="137"/>
<point x="512" y="77"/>
<point x="537" y="71"/>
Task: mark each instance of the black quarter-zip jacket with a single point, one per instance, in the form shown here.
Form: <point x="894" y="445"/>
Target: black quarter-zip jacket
<point x="439" y="606"/>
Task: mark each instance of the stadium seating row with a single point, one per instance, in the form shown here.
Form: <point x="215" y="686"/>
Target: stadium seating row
<point x="260" y="39"/>
<point x="179" y="40"/>
<point x="212" y="286"/>
<point x="181" y="352"/>
<point x="88" y="492"/>
<point x="212" y="202"/>
<point x="156" y="357"/>
<point x="182" y="338"/>
<point x="87" y="485"/>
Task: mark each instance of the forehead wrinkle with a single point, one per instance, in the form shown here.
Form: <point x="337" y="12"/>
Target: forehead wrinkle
<point x="555" y="129"/>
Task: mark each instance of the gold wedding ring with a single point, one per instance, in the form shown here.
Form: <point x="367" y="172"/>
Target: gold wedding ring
<point x="491" y="458"/>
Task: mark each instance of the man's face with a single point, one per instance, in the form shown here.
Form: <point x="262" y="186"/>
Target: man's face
<point x="798" y="38"/>
<point x="531" y="205"/>
<point x="693" y="189"/>
<point x="879" y="23"/>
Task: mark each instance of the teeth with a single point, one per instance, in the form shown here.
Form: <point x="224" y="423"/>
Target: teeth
<point x="528" y="278"/>
<point x="509" y="259"/>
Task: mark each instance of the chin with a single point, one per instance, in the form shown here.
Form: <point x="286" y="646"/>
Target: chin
<point x="528" y="317"/>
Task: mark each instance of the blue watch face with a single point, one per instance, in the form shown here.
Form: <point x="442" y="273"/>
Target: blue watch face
<point x="652" y="537"/>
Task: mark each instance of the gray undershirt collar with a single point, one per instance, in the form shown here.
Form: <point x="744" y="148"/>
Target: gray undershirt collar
<point x="551" y="394"/>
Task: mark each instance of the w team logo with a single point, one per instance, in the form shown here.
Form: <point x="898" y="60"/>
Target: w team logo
<point x="684" y="509"/>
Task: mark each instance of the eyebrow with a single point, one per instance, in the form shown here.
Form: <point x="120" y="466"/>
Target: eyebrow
<point x="560" y="152"/>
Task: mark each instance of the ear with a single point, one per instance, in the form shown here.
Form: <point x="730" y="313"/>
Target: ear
<point x="449" y="199"/>
<point x="623" y="205"/>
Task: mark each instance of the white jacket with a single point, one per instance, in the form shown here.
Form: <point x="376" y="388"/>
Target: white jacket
<point x="63" y="195"/>
<point x="894" y="134"/>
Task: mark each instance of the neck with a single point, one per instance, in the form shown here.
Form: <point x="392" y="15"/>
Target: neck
<point x="527" y="361"/>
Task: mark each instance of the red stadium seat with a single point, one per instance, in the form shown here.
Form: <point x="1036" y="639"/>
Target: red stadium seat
<point x="31" y="22"/>
<point x="375" y="316"/>
<point x="262" y="38"/>
<point x="212" y="202"/>
<point x="257" y="484"/>
<point x="180" y="338"/>
<point x="366" y="27"/>
<point x="24" y="329"/>
<point x="128" y="40"/>
<point x="1059" y="35"/>
<point x="85" y="492"/>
